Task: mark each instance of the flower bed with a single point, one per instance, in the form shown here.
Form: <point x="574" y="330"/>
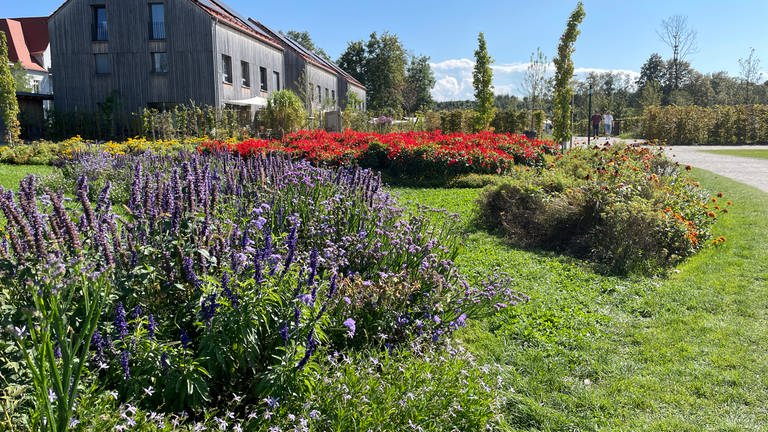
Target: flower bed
<point x="217" y="278"/>
<point x="411" y="154"/>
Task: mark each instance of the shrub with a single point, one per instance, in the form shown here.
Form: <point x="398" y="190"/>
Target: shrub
<point x="285" y="112"/>
<point x="629" y="209"/>
<point x="687" y="125"/>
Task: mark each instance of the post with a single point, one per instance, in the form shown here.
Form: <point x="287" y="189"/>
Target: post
<point x="589" y="115"/>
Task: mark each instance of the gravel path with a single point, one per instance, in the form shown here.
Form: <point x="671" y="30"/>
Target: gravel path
<point x="753" y="172"/>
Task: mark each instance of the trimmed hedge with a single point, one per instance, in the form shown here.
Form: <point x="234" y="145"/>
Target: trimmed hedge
<point x="717" y="125"/>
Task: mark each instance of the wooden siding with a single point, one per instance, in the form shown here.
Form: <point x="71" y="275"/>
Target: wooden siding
<point x="324" y="79"/>
<point x="241" y="47"/>
<point x="189" y="45"/>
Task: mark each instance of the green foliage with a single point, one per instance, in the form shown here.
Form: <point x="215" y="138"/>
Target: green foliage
<point x="419" y="80"/>
<point x="683" y="125"/>
<point x="482" y="81"/>
<point x="457" y="121"/>
<point x="20" y="77"/>
<point x="9" y="106"/>
<point x="285" y="112"/>
<point x="354" y="117"/>
<point x="563" y="92"/>
<point x="628" y="209"/>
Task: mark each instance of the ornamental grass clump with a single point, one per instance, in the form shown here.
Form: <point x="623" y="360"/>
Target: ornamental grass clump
<point x="230" y="275"/>
<point x="631" y="210"/>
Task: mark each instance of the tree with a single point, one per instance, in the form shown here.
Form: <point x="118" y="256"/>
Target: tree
<point x="305" y="40"/>
<point x="535" y="80"/>
<point x="750" y="74"/>
<point x="20" y="77"/>
<point x="651" y="72"/>
<point x="385" y="73"/>
<point x="482" y="81"/>
<point x="563" y="73"/>
<point x="419" y="81"/>
<point x="677" y="35"/>
<point x="353" y="60"/>
<point x="9" y="106"/>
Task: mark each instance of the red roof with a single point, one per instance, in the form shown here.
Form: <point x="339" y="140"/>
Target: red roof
<point x="26" y="37"/>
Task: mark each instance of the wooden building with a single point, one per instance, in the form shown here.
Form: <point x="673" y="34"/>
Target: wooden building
<point x="321" y="80"/>
<point x="134" y="54"/>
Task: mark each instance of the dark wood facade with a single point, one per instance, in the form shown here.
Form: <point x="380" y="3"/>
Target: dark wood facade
<point x="194" y="37"/>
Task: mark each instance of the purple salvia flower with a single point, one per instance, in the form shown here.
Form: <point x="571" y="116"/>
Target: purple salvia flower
<point x="292" y="239"/>
<point x="134" y="201"/>
<point x="312" y="270"/>
<point x="184" y="338"/>
<point x="98" y="343"/>
<point x="151" y="327"/>
<point x="124" y="362"/>
<point x="332" y="288"/>
<point x="120" y="323"/>
<point x="284" y="331"/>
<point x="189" y="272"/>
<point x="227" y="291"/>
<point x="208" y="308"/>
<point x="312" y="344"/>
<point x="136" y="314"/>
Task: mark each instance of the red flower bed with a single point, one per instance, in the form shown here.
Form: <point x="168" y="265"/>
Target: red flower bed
<point x="418" y="154"/>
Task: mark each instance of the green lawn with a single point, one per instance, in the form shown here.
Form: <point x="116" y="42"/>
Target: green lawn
<point x="749" y="153"/>
<point x="590" y="352"/>
<point x="11" y="175"/>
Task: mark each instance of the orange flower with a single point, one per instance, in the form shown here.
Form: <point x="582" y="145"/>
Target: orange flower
<point x="719" y="194"/>
<point x="688" y="167"/>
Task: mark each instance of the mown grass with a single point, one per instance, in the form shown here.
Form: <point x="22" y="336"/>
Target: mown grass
<point x="11" y="175"/>
<point x="592" y="352"/>
<point x="748" y="153"/>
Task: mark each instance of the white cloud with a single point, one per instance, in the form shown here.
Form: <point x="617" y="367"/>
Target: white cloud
<point x="454" y="78"/>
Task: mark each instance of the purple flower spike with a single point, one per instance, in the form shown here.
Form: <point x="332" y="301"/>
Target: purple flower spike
<point x="124" y="362"/>
<point x="349" y="323"/>
<point x="151" y="327"/>
<point x="120" y="323"/>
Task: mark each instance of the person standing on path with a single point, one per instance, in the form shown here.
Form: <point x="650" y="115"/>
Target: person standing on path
<point x="608" y="123"/>
<point x="596" y="119"/>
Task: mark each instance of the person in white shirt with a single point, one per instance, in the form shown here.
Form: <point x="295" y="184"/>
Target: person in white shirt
<point x="608" y="122"/>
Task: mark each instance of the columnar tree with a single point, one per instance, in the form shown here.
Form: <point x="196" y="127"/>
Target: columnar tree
<point x="750" y="74"/>
<point x="482" y="81"/>
<point x="9" y="106"/>
<point x="563" y="73"/>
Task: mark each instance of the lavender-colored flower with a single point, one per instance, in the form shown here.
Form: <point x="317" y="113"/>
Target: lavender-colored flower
<point x="332" y="288"/>
<point x="349" y="323"/>
<point x="208" y="308"/>
<point x="312" y="268"/>
<point x="57" y="351"/>
<point x="124" y="363"/>
<point x="291" y="243"/>
<point x="189" y="272"/>
<point x="227" y="291"/>
<point x="310" y="348"/>
<point x="151" y="327"/>
<point x="120" y="323"/>
<point x="272" y="402"/>
<point x="284" y="332"/>
<point x="136" y="312"/>
<point x="185" y="339"/>
<point x="307" y="299"/>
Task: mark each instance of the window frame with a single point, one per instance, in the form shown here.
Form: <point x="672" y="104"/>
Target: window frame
<point x="97" y="35"/>
<point x="276" y="79"/>
<point x="245" y="74"/>
<point x="226" y="69"/>
<point x="152" y="60"/>
<point x="107" y="62"/>
<point x="263" y="84"/>
<point x="153" y="33"/>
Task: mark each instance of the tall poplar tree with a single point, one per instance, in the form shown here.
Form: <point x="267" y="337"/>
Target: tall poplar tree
<point x="482" y="81"/>
<point x="9" y="106"/>
<point x="563" y="74"/>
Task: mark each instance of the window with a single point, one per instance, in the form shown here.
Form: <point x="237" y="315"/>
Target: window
<point x="319" y="95"/>
<point x="157" y="21"/>
<point x="226" y="68"/>
<point x="103" y="66"/>
<point x="100" y="23"/>
<point x="160" y="62"/>
<point x="245" y="74"/>
<point x="263" y="78"/>
<point x="276" y="80"/>
<point x="333" y="96"/>
<point x="327" y="94"/>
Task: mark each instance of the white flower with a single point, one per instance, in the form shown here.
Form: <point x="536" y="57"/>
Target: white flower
<point x="149" y="391"/>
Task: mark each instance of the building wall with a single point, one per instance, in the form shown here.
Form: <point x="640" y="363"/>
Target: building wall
<point x="326" y="80"/>
<point x="188" y="43"/>
<point x="240" y="47"/>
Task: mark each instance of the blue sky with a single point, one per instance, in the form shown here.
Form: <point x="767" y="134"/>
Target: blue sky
<point x="616" y="35"/>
